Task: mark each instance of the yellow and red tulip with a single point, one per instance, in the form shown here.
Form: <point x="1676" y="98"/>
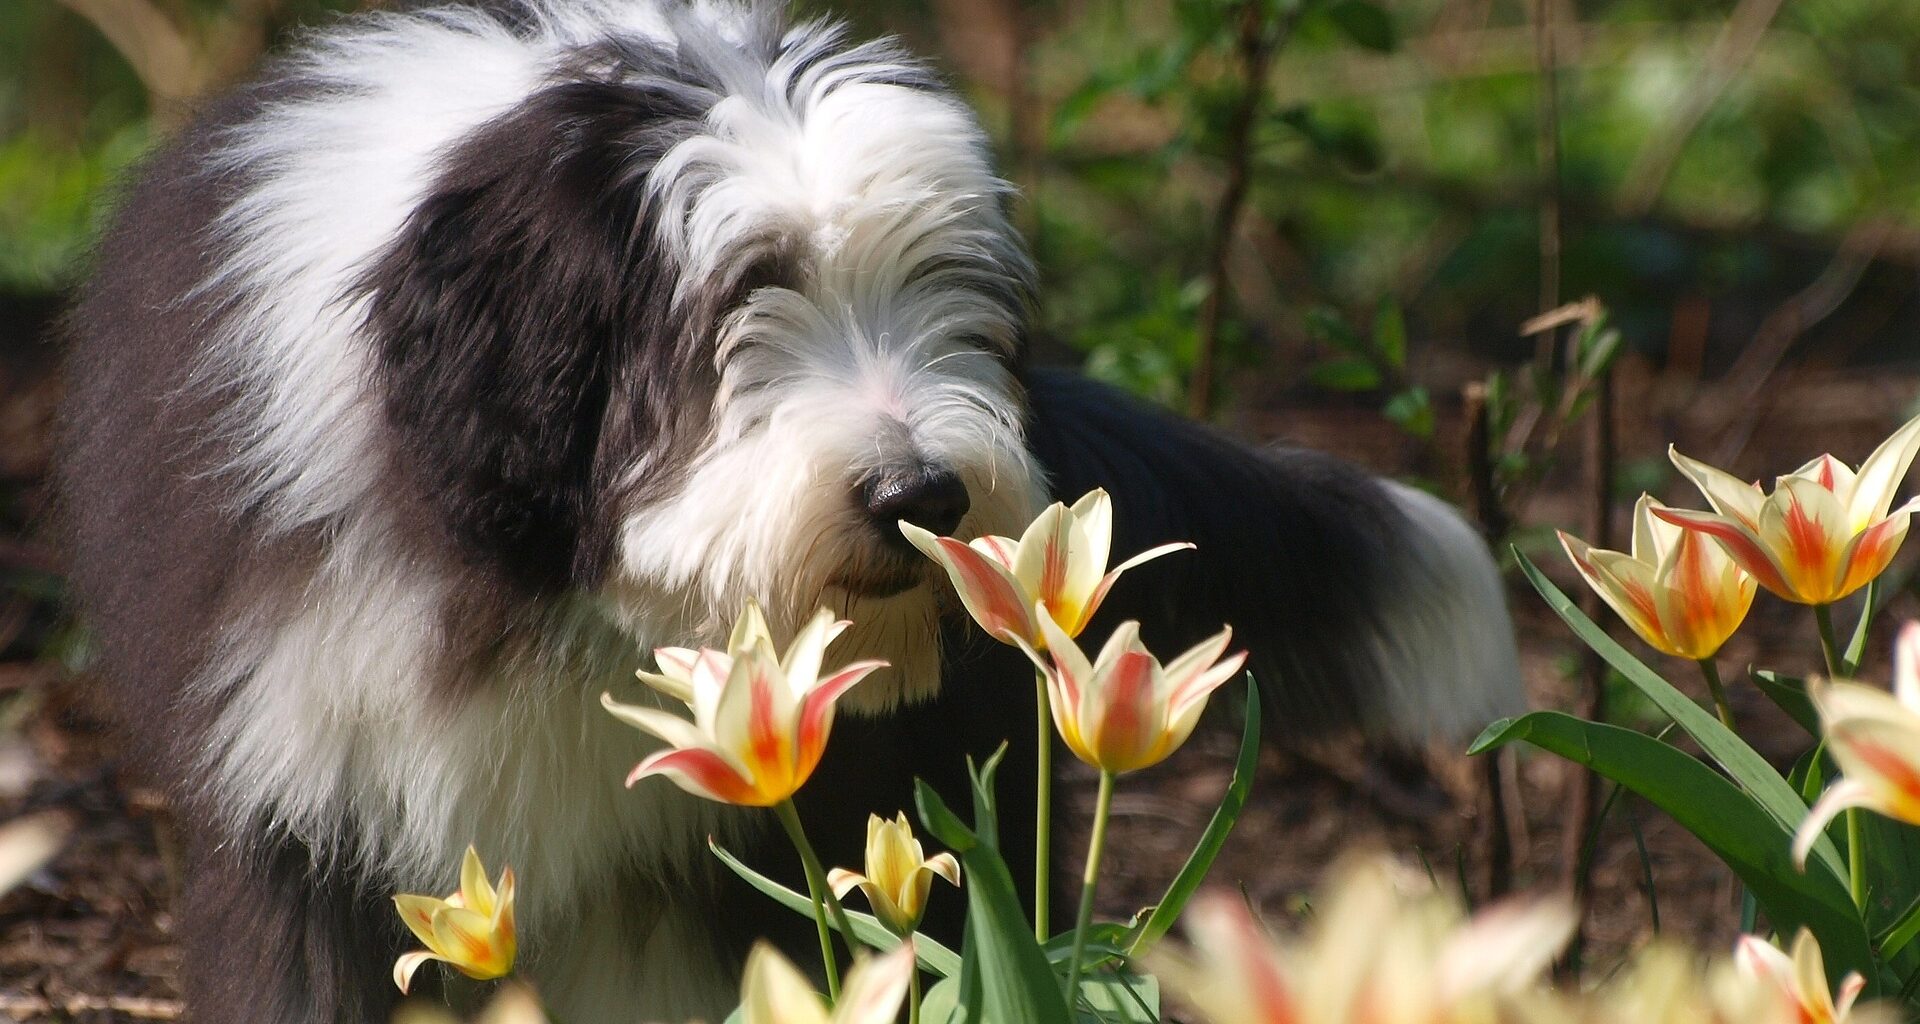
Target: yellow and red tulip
<point x="1680" y="591"/>
<point x="1059" y="562"/>
<point x="472" y="929"/>
<point x="1874" y="737"/>
<point x="773" y="991"/>
<point x="760" y="720"/>
<point x="899" y="874"/>
<point x="1798" y="983"/>
<point x="1824" y="532"/>
<point x="1124" y="710"/>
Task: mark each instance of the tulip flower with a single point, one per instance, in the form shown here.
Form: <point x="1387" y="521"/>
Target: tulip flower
<point x="899" y="874"/>
<point x="1875" y="739"/>
<point x="1059" y="562"/>
<point x="1385" y="948"/>
<point x="1679" y="591"/>
<point x="1125" y="711"/>
<point x="760" y="720"/>
<point x="1799" y="982"/>
<point x="471" y="929"/>
<point x="1824" y="532"/>
<point x="773" y="991"/>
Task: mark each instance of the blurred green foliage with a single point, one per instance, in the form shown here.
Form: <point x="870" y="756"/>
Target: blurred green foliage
<point x="1394" y="180"/>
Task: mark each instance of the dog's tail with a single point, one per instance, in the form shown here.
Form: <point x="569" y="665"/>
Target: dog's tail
<point x="1364" y="603"/>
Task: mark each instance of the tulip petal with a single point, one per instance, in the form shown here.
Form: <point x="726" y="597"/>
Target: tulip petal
<point x="1699" y="596"/>
<point x="842" y="882"/>
<point x="1881" y="474"/>
<point x="1838" y="797"/>
<point x="417" y="912"/>
<point x="1805" y="528"/>
<point x="1121" y="717"/>
<point x="1106" y="583"/>
<point x="676" y="731"/>
<point x="1873" y="548"/>
<point x="1069" y="663"/>
<point x="1739" y="542"/>
<point x="875" y="988"/>
<point x="703" y="773"/>
<point x="467" y="938"/>
<point x="816" y="714"/>
<point x="801" y="663"/>
<point x="944" y="865"/>
<point x="404" y="968"/>
<point x="1040" y="562"/>
<point x="1183" y="672"/>
<point x="989" y="590"/>
<point x="773" y="991"/>
<point x="476" y="893"/>
<point x="1906" y="667"/>
<point x="1729" y="495"/>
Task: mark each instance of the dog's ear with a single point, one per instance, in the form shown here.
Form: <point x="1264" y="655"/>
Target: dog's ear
<point x="524" y="292"/>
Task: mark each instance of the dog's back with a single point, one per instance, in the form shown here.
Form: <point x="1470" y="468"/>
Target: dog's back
<point x="421" y="384"/>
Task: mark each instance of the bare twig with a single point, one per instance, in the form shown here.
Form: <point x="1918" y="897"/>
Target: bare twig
<point x="1739" y="38"/>
<point x="1258" y="37"/>
<point x="158" y="50"/>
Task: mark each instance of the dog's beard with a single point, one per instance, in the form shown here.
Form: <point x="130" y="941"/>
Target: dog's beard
<point x="823" y="558"/>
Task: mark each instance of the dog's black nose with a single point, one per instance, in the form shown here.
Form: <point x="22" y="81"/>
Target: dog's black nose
<point x="931" y="497"/>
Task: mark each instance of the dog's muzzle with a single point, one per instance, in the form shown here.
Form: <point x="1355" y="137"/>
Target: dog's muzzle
<point x="929" y="496"/>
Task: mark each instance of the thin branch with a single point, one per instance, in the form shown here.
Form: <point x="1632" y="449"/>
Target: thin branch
<point x="1259" y="36"/>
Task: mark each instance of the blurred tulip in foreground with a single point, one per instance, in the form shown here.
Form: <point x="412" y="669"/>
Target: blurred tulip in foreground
<point x="774" y="992"/>
<point x="1875" y="739"/>
<point x="1799" y="982"/>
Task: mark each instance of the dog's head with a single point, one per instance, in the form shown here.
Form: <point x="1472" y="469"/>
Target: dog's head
<point x="702" y="320"/>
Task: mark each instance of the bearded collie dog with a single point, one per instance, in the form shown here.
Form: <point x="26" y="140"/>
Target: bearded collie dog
<point x="426" y="384"/>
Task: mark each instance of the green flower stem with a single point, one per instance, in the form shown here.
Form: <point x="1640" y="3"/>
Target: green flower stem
<point x="1857" y="858"/>
<point x="1043" y="810"/>
<point x="913" y="994"/>
<point x="1856" y="846"/>
<point x="1830" y="647"/>
<point x="823" y="899"/>
<point x="1712" y="673"/>
<point x="1095" y="847"/>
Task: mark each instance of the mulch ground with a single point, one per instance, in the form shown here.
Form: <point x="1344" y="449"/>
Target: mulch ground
<point x="89" y="938"/>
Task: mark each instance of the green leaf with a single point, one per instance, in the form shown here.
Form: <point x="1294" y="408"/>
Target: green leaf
<point x="1345" y="375"/>
<point x="1790" y="694"/>
<point x="1200" y="861"/>
<point x="1118" y="998"/>
<point x="941" y="1003"/>
<point x="932" y="955"/>
<point x="1326" y="326"/>
<point x="1902" y="933"/>
<point x="1364" y="23"/>
<point x="1390" y="334"/>
<point x="1412" y="411"/>
<point x="1747" y="767"/>
<point x="1732" y="823"/>
<point x="1004" y="975"/>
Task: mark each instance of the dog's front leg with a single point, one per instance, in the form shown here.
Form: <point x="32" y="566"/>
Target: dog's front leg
<point x="273" y="938"/>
